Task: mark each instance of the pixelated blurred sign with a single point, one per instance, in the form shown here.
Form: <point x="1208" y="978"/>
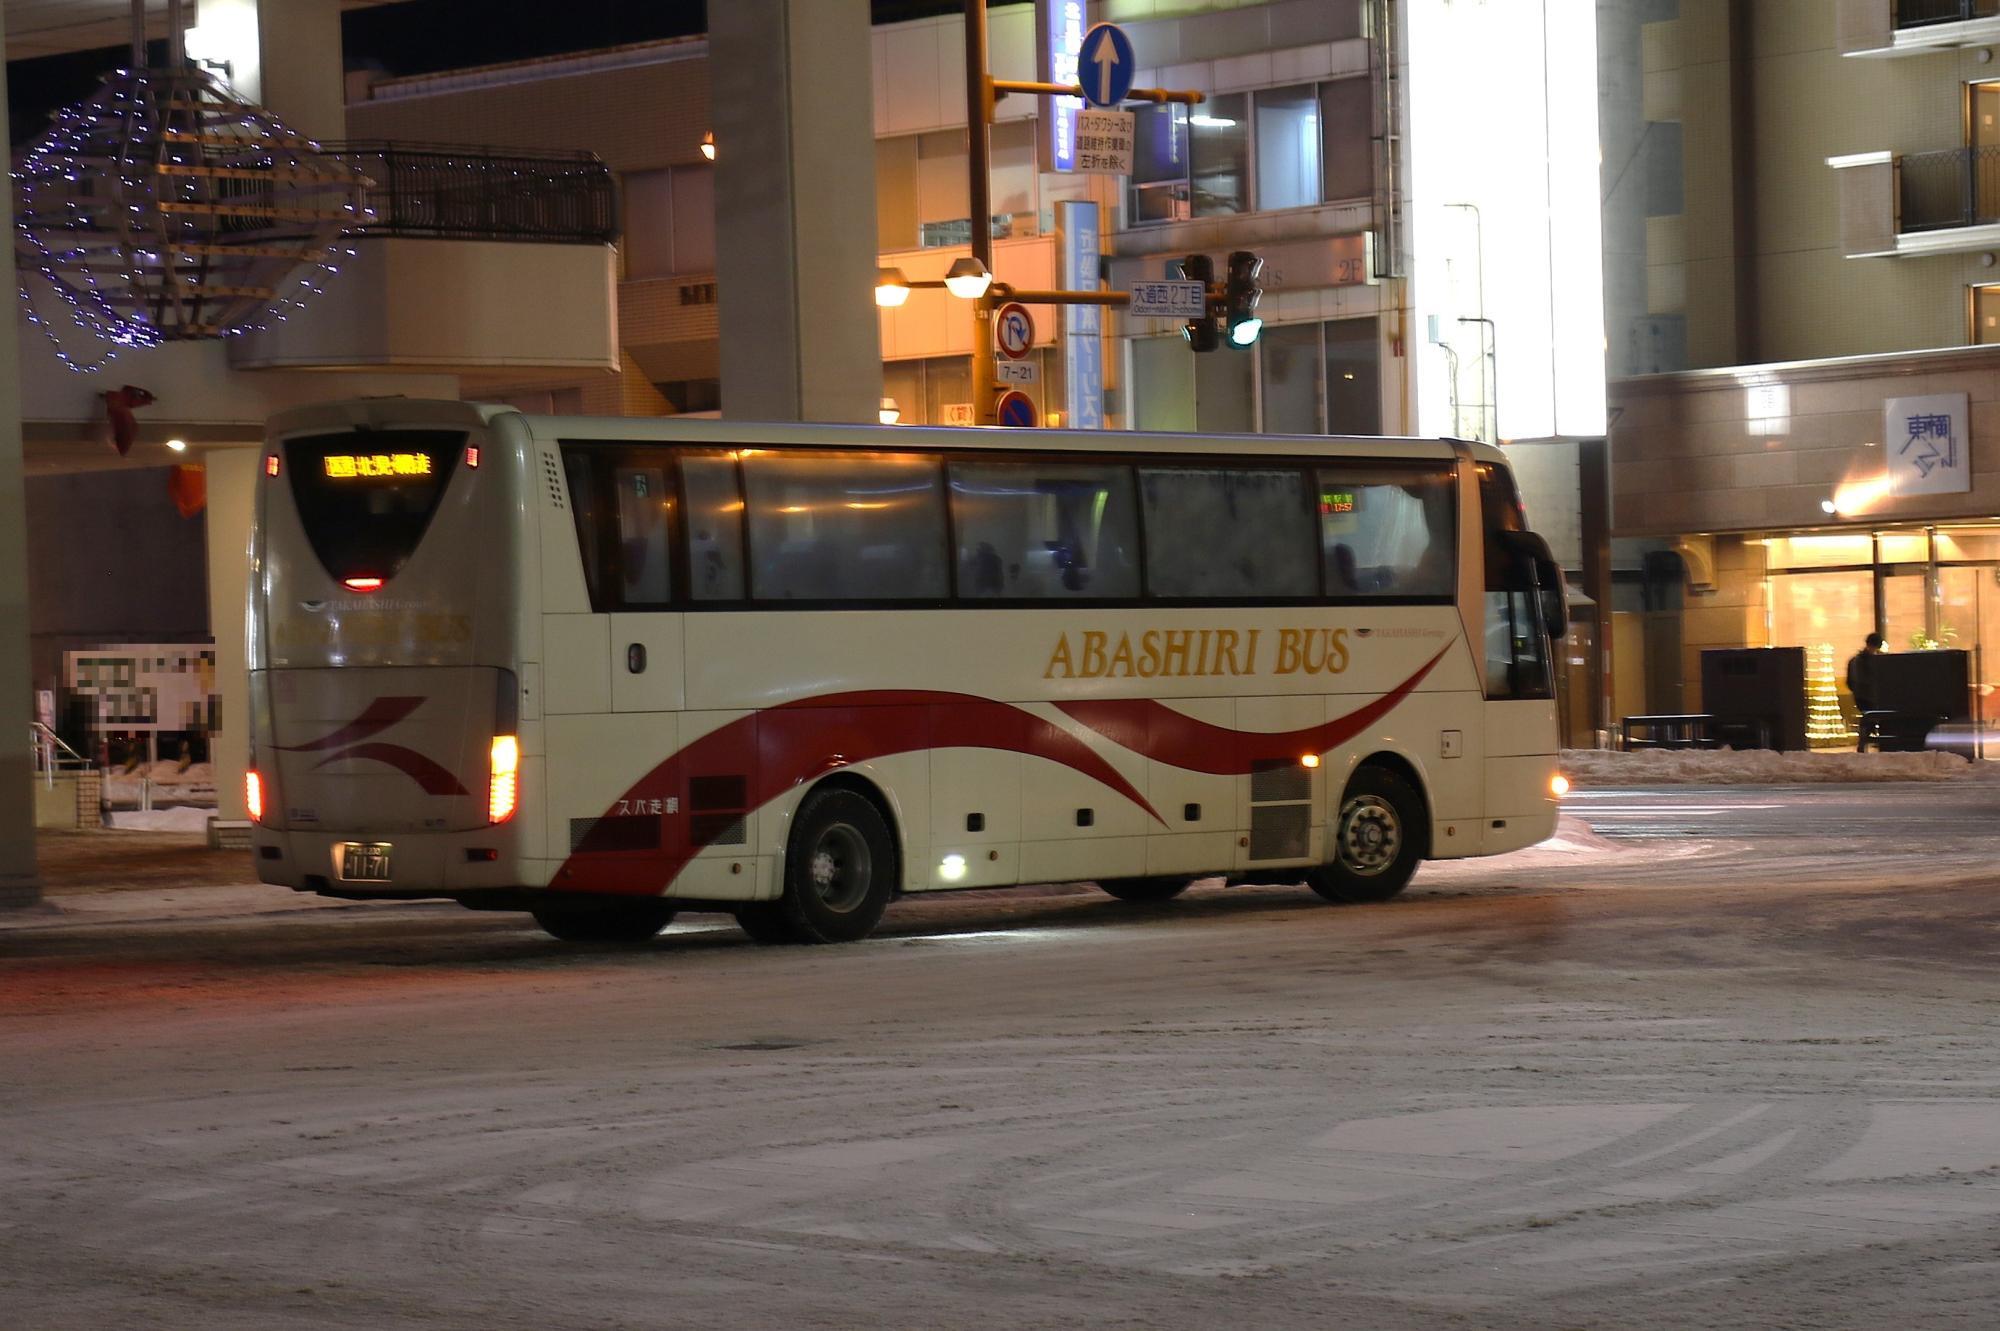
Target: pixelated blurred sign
<point x="146" y="686"/>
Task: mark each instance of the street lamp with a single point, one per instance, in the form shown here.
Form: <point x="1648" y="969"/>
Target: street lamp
<point x="968" y="279"/>
<point x="891" y="287"/>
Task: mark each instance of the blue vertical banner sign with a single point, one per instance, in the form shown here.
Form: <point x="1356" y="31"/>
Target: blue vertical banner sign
<point x="1079" y="225"/>
<point x="1059" y="29"/>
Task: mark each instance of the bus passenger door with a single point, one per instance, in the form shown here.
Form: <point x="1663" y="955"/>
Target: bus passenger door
<point x="1520" y="708"/>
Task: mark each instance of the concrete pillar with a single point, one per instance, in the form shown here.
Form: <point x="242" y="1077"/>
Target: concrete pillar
<point x="282" y="54"/>
<point x="19" y="884"/>
<point x="794" y="128"/>
<point x="232" y="488"/>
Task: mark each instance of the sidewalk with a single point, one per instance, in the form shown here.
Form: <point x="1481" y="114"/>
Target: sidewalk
<point x="130" y="877"/>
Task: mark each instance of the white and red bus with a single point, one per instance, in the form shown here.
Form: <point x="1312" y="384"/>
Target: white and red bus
<point x="608" y="670"/>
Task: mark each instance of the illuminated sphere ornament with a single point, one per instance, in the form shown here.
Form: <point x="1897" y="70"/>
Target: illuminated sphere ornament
<point x="165" y="208"/>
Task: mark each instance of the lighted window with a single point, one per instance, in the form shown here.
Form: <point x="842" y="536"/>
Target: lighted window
<point x="1985" y="315"/>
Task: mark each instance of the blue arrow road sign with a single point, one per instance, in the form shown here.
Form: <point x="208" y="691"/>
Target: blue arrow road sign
<point x="1105" y="65"/>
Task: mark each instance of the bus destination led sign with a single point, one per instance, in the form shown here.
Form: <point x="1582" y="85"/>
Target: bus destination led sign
<point x="371" y="466"/>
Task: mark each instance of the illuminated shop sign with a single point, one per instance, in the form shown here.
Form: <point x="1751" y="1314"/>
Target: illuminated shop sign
<point x="1059" y="28"/>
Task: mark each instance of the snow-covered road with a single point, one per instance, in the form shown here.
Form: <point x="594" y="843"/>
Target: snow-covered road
<point x="1681" y="1069"/>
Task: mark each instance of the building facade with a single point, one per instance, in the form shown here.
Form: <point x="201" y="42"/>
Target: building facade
<point x="1801" y="302"/>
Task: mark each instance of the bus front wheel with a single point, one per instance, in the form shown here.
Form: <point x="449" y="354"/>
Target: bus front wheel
<point x="1144" y="889"/>
<point x="840" y="869"/>
<point x="604" y="922"/>
<point x="1377" y="839"/>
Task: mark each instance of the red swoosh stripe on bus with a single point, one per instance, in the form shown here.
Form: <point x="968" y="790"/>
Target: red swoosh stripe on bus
<point x="434" y="779"/>
<point x="790" y="744"/>
<point x="377" y="717"/>
<point x="787" y="745"/>
<point x="1179" y="740"/>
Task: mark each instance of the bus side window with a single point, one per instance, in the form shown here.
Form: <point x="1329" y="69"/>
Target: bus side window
<point x="1388" y="531"/>
<point x="1517" y="650"/>
<point x="592" y="526"/>
<point x="1045" y="530"/>
<point x="1227" y="532"/>
<point x="845" y="527"/>
<point x="645" y="503"/>
<point x="714" y="526"/>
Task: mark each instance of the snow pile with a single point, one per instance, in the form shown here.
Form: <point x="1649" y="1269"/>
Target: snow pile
<point x="1593" y="768"/>
<point x="171" y="785"/>
<point x="183" y="819"/>
<point x="1574" y="836"/>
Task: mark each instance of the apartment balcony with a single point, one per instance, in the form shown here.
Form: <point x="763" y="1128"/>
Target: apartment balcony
<point x="478" y="260"/>
<point x="1915" y="27"/>
<point x="1945" y="202"/>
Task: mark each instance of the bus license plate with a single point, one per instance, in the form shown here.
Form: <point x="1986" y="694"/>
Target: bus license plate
<point x="365" y="862"/>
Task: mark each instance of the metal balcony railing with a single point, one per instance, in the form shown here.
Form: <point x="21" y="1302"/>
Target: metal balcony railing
<point x="460" y="192"/>
<point x="1923" y="13"/>
<point x="1955" y="187"/>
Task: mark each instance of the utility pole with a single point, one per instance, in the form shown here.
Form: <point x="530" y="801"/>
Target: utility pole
<point x="981" y="92"/>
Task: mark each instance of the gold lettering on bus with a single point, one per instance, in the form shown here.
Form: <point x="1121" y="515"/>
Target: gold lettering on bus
<point x="1189" y="653"/>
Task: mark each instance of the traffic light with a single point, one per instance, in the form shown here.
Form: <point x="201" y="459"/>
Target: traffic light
<point x="1205" y="333"/>
<point x="1239" y="299"/>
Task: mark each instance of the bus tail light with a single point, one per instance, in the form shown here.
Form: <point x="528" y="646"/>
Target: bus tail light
<point x="503" y="792"/>
<point x="253" y="795"/>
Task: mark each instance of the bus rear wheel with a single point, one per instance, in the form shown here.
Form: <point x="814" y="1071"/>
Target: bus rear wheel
<point x="605" y="921"/>
<point x="1377" y="839"/>
<point x="1144" y="889"/>
<point x="840" y="869"/>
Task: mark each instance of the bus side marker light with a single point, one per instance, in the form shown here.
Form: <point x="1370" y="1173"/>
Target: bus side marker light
<point x="504" y="790"/>
<point x="472" y="456"/>
<point x="270" y="464"/>
<point x="1309" y="760"/>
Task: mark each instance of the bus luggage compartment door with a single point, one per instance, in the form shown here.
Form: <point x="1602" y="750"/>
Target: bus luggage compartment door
<point x="381" y="750"/>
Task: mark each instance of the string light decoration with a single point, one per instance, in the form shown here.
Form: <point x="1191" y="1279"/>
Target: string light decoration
<point x="1826" y="724"/>
<point x="165" y="208"/>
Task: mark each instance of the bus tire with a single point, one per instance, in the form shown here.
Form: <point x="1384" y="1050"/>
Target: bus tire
<point x="1377" y="839"/>
<point x="1144" y="889"/>
<point x="604" y="921"/>
<point x="840" y="868"/>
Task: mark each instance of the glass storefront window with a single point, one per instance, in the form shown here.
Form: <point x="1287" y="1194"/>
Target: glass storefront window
<point x="1788" y="552"/>
<point x="1837" y="609"/>
<point x="1290" y="357"/>
<point x="1353" y="395"/>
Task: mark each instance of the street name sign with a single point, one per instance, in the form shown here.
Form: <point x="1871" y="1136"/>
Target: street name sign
<point x="1168" y="300"/>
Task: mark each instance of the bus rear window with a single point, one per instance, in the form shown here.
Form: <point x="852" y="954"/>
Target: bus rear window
<point x="365" y="498"/>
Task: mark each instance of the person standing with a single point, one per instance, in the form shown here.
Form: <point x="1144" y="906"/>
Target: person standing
<point x="1861" y="674"/>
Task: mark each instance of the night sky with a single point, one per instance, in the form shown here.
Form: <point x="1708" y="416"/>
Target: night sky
<point x="428" y="35"/>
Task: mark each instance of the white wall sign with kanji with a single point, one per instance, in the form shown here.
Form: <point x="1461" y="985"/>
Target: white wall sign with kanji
<point x="1927" y="443"/>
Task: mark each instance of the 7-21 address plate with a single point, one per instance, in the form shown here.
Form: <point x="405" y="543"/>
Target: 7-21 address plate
<point x="364" y="861"/>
